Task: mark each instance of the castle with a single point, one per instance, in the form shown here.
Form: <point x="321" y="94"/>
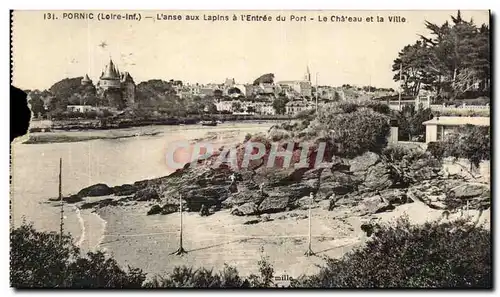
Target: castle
<point x="115" y="89"/>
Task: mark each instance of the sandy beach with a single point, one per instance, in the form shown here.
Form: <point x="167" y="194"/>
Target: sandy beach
<point x="147" y="241"/>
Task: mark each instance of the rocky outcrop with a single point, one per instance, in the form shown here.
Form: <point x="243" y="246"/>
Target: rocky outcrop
<point x="377" y="177"/>
<point x="374" y="205"/>
<point x="243" y="197"/>
<point x="361" y="164"/>
<point x="146" y="194"/>
<point x="71" y="199"/>
<point x="164" y="210"/>
<point x="125" y="190"/>
<point x="394" y="196"/>
<point x="276" y="202"/>
<point x="155" y="209"/>
<point x="469" y="190"/>
<point x="368" y="183"/>
<point x="95" y="190"/>
<point x="246" y="209"/>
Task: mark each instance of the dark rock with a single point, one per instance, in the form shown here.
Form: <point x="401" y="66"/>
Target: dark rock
<point x="338" y="183"/>
<point x="276" y="202"/>
<point x="278" y="176"/>
<point x="304" y="202"/>
<point x="125" y="190"/>
<point x="469" y="190"/>
<point x="265" y="218"/>
<point x="155" y="209"/>
<point x="209" y="195"/>
<point x="246" y="209"/>
<point x="377" y="178"/>
<point x="394" y="196"/>
<point x="169" y="208"/>
<point x="363" y="162"/>
<point x="146" y="194"/>
<point x="251" y="222"/>
<point x="95" y="190"/>
<point x="328" y="188"/>
<point x="72" y="199"/>
<point x="374" y="205"/>
<point x="293" y="191"/>
<point x="243" y="197"/>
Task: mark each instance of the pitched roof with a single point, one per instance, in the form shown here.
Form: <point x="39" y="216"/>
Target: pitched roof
<point x="86" y="78"/>
<point x="110" y="72"/>
<point x="458" y="121"/>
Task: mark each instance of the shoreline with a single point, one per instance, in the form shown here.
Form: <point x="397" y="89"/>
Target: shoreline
<point x="44" y="126"/>
<point x="93" y="230"/>
<point x="62" y="136"/>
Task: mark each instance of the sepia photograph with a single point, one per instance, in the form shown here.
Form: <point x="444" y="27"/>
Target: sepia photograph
<point x="285" y="149"/>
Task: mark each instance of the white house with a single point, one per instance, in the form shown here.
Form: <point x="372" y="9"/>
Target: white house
<point x="80" y="108"/>
<point x="437" y="128"/>
<point x="294" y="107"/>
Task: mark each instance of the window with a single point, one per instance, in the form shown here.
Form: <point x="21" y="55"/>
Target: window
<point x="440" y="134"/>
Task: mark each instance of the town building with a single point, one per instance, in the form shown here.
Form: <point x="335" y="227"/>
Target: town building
<point x="294" y="107"/>
<point x="297" y="88"/>
<point x="437" y="128"/>
<point x="80" y="108"/>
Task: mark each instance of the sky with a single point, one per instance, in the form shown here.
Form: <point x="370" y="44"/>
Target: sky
<point x="357" y="53"/>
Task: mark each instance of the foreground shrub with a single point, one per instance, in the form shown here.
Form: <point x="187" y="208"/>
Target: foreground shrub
<point x="469" y="142"/>
<point x="446" y="255"/>
<point x="45" y="260"/>
<point x="185" y="277"/>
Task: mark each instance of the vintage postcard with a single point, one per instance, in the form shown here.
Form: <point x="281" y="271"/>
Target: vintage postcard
<point x="309" y="149"/>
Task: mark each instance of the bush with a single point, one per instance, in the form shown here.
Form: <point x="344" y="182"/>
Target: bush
<point x="436" y="149"/>
<point x="277" y="134"/>
<point x="355" y="133"/>
<point x="45" y="260"/>
<point x="185" y="277"/>
<point x="433" y="255"/>
<point x="469" y="142"/>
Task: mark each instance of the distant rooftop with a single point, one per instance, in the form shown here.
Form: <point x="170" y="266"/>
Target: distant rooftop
<point x="458" y="121"/>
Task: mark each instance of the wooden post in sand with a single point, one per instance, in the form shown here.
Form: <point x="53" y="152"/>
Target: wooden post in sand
<point x="180" y="250"/>
<point x="309" y="251"/>
<point x="61" y="223"/>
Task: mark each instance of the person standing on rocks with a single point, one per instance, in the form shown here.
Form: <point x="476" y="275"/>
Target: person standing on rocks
<point x="204" y="211"/>
<point x="332" y="201"/>
<point x="232" y="185"/>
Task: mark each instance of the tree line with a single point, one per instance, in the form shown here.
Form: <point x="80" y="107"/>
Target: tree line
<point x="453" y="61"/>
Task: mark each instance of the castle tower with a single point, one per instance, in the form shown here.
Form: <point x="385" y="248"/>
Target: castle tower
<point x="128" y="88"/>
<point x="115" y="88"/>
<point x="110" y="77"/>
<point x="86" y="80"/>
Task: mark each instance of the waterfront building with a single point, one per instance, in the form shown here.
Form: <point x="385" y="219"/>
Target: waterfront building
<point x="114" y="88"/>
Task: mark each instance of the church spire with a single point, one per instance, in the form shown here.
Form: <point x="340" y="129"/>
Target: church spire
<point x="308" y="74"/>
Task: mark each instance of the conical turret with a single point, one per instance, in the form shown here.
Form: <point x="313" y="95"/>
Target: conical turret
<point x="86" y="80"/>
<point x="110" y="72"/>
